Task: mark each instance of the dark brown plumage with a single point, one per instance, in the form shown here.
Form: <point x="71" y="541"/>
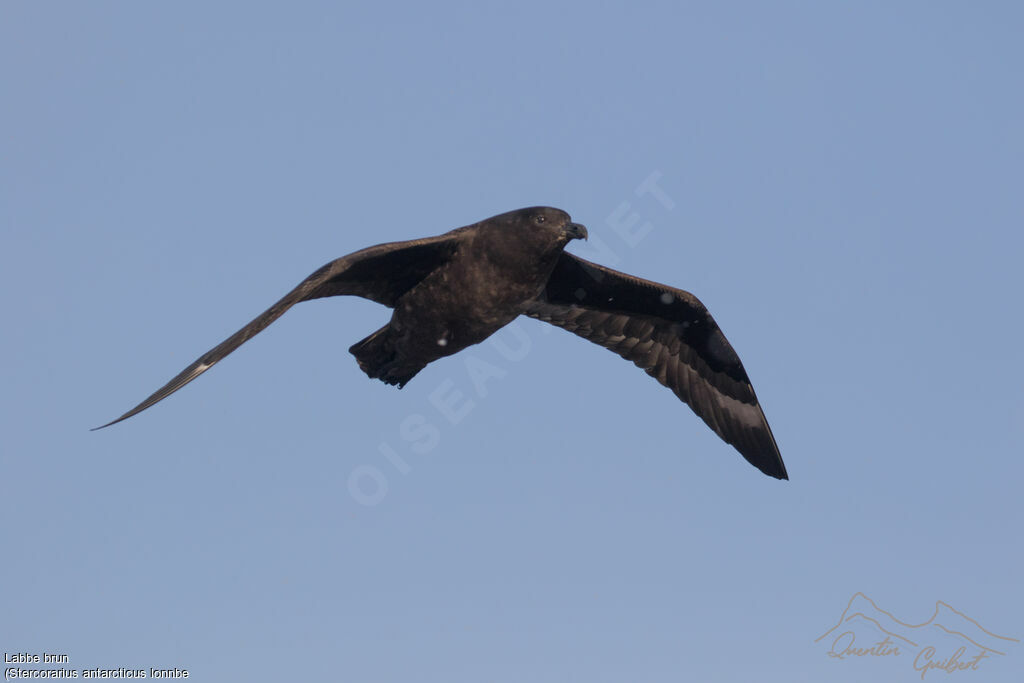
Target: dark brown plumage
<point x="454" y="290"/>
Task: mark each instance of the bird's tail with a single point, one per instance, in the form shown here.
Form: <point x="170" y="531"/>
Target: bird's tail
<point x="379" y="359"/>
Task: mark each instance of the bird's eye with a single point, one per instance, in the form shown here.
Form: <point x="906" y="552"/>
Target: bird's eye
<point x="539" y="219"/>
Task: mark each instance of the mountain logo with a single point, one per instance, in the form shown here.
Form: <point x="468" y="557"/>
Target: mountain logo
<point x="949" y="641"/>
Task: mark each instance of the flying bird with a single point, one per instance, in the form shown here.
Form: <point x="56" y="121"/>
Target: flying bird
<point x="455" y="290"/>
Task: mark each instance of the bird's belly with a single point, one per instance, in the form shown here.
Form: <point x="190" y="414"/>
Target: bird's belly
<point x="437" y="337"/>
<point x="456" y="308"/>
<point x="436" y="331"/>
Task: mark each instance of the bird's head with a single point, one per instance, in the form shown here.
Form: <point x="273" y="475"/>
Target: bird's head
<point x="550" y="221"/>
<point x="528" y="239"/>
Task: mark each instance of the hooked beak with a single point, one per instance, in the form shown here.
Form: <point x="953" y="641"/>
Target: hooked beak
<point x="576" y="231"/>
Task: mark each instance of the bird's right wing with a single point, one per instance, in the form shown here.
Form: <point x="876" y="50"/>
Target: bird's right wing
<point x="382" y="273"/>
<point x="670" y="334"/>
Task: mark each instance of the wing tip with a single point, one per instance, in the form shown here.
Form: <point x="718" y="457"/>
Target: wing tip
<point x="765" y="457"/>
<point x="774" y="468"/>
<point x="112" y="422"/>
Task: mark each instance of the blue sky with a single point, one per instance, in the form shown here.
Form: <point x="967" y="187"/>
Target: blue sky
<point x="843" y="185"/>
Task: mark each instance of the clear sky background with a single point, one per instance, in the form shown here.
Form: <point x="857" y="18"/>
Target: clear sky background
<point x="846" y="197"/>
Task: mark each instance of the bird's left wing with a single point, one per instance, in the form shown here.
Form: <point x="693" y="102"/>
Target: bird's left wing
<point x="670" y="334"/>
<point x="382" y="273"/>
